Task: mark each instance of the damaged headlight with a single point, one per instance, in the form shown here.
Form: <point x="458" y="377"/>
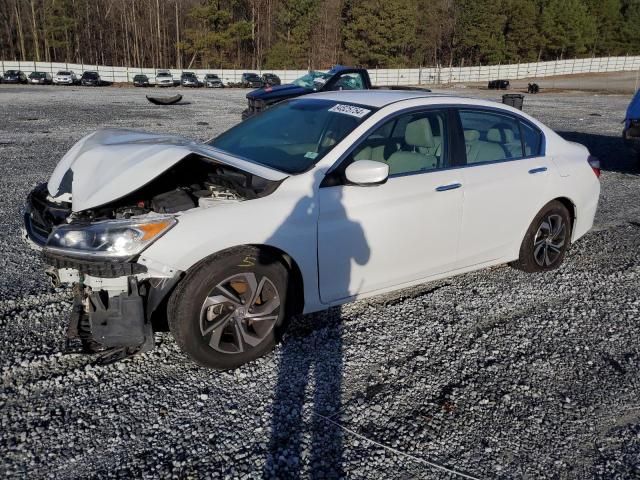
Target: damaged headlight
<point x="109" y="238"/>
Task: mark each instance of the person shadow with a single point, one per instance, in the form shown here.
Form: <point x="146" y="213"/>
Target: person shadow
<point x="309" y="385"/>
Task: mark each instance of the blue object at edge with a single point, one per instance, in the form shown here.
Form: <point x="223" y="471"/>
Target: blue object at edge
<point x="633" y="110"/>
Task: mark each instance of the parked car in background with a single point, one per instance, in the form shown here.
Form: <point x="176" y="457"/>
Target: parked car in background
<point x="90" y="79"/>
<point x="65" y="77"/>
<point x="189" y="79"/>
<point x="141" y="80"/>
<point x="40" y="78"/>
<point x="164" y="78"/>
<point x="211" y="80"/>
<point x="316" y="202"/>
<point x="338" y="78"/>
<point x="270" y="79"/>
<point x="14" y="76"/>
<point x="498" y="85"/>
<point x="250" y="80"/>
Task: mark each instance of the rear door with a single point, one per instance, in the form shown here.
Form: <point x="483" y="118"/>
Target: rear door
<point x="505" y="181"/>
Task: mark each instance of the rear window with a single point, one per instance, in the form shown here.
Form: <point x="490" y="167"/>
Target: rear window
<point x="295" y="135"/>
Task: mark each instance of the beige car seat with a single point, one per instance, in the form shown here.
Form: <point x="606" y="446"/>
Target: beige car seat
<point x="479" y="151"/>
<point x="417" y="135"/>
<point x="507" y="139"/>
<point x="368" y="152"/>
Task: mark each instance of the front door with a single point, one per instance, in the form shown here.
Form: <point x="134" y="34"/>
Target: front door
<point x="381" y="237"/>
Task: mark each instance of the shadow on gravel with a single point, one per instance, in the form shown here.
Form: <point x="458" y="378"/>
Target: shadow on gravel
<point x="614" y="155"/>
<point x="310" y="371"/>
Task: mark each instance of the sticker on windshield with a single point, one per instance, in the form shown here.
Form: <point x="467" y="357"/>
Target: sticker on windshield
<point x="311" y="155"/>
<point x="358" y="112"/>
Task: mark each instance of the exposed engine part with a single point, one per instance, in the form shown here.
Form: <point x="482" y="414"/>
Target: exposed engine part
<point x="172" y="202"/>
<point x="194" y="181"/>
<point x="220" y="193"/>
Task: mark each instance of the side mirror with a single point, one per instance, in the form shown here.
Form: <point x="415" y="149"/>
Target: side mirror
<point x="367" y="172"/>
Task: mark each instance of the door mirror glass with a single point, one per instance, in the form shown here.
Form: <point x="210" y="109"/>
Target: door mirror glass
<point x="367" y="172"/>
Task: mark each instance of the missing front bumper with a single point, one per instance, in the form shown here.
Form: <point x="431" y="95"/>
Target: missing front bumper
<point x="115" y="327"/>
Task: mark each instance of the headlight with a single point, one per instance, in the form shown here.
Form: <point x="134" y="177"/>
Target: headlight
<point x="110" y="238"/>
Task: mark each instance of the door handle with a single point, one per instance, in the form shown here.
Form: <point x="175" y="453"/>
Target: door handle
<point x="538" y="170"/>
<point x="444" y="188"/>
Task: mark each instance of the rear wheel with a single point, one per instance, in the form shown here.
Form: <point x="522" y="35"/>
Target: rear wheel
<point x="547" y="240"/>
<point x="228" y="310"/>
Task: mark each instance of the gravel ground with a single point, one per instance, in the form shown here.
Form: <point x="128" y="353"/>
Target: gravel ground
<point x="496" y="374"/>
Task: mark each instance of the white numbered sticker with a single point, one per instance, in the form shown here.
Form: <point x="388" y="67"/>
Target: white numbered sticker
<point x="358" y="112"/>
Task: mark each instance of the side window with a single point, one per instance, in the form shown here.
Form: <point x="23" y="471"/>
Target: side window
<point x="490" y="137"/>
<point x="409" y="143"/>
<point x="532" y="139"/>
<point x="349" y="81"/>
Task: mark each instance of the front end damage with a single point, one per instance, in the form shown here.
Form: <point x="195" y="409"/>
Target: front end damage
<point x="99" y="248"/>
<point x="116" y="302"/>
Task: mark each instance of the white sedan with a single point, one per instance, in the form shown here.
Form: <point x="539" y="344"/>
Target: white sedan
<point x="65" y="77"/>
<point x="315" y="202"/>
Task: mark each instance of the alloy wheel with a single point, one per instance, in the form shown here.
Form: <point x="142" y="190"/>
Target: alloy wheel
<point x="549" y="241"/>
<point x="239" y="313"/>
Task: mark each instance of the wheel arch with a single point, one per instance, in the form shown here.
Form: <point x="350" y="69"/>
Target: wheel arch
<point x="295" y="293"/>
<point x="571" y="207"/>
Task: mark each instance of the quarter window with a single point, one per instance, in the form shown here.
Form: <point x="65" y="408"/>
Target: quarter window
<point x="532" y="139"/>
<point x="490" y="137"/>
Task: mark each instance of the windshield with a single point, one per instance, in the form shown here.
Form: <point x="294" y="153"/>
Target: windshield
<point x="64" y="73"/>
<point x="37" y="75"/>
<point x="293" y="136"/>
<point x="11" y="72"/>
<point x="164" y="74"/>
<point x="312" y="80"/>
<point x="90" y="75"/>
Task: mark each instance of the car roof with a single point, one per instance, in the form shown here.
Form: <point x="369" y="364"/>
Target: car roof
<point x="382" y="98"/>
<point x="372" y="98"/>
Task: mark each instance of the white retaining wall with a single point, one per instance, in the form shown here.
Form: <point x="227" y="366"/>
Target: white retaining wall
<point x="383" y="77"/>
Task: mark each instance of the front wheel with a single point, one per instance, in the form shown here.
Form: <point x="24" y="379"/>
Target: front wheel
<point x="547" y="240"/>
<point x="228" y="310"/>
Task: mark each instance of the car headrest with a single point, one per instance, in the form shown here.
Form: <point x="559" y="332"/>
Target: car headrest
<point x="418" y="133"/>
<point x="500" y="136"/>
<point x="471" y="135"/>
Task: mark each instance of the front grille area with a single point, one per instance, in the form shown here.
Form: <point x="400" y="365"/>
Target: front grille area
<point x="42" y="215"/>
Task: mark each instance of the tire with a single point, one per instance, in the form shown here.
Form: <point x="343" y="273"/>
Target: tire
<point x="211" y="315"/>
<point x="546" y="241"/>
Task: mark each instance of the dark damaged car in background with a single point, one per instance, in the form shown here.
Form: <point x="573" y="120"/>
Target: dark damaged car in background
<point x="338" y="78"/>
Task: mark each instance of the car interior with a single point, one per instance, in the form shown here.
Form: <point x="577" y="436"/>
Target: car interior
<point x="410" y="143"/>
<point x="414" y="143"/>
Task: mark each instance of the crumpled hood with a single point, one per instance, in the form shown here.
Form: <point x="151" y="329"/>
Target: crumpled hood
<point x="109" y="164"/>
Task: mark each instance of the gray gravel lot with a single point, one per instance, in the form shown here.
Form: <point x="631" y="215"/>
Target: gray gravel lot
<point x="497" y="374"/>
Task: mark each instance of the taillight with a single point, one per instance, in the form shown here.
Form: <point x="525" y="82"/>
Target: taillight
<point x="594" y="162"/>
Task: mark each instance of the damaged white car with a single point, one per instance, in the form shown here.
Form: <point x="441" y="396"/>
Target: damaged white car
<point x="313" y="203"/>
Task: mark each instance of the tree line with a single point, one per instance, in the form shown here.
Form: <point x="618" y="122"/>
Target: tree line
<point x="273" y="34"/>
